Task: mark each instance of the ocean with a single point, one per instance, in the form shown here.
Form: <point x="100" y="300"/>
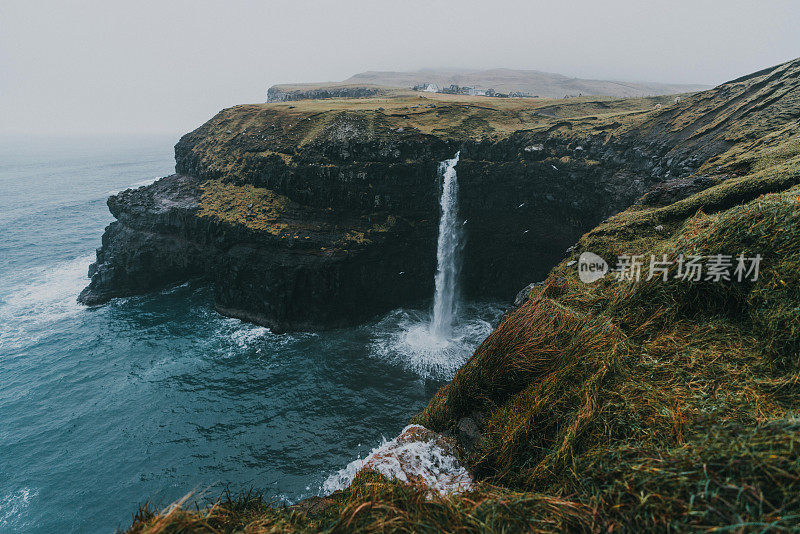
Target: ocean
<point x="151" y="397"/>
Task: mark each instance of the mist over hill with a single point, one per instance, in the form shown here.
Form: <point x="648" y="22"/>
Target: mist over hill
<point x="543" y="84"/>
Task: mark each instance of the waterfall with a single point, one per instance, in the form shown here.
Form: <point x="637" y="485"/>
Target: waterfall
<point x="447" y="253"/>
<point x="436" y="345"/>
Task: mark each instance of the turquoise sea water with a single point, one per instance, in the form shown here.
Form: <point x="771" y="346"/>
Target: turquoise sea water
<point x="152" y="397"/>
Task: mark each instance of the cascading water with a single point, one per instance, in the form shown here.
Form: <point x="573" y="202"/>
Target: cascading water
<point x="436" y="345"/>
<point x="447" y="253"/>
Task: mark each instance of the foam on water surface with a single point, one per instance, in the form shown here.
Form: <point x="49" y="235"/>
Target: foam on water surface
<point x="41" y="298"/>
<point x="13" y="506"/>
<point x="403" y="337"/>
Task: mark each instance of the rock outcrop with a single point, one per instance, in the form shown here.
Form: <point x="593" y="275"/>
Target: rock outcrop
<point x="152" y="243"/>
<point x="329" y="240"/>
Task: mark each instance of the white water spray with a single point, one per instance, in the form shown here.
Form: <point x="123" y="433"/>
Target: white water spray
<point x="447" y="253"/>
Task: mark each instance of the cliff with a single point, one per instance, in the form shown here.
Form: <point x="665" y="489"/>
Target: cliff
<point x="324" y="213"/>
<point x="657" y="405"/>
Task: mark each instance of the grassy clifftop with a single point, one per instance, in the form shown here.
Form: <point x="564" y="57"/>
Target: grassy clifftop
<point x="286" y="129"/>
<point x="622" y="405"/>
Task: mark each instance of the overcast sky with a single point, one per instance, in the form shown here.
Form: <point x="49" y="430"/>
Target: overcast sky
<point x="167" y="66"/>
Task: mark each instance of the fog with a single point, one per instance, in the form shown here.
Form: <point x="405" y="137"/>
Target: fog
<point x="96" y="67"/>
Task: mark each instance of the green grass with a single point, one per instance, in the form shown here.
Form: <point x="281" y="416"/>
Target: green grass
<point x="619" y="406"/>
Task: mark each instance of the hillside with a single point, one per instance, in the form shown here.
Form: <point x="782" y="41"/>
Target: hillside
<point x="542" y="84"/>
<point x="505" y="81"/>
<point x="629" y="405"/>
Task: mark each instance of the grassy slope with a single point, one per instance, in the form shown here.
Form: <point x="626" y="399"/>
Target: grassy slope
<point x="618" y="405"/>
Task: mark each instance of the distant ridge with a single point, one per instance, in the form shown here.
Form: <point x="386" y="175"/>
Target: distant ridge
<point x="535" y="83"/>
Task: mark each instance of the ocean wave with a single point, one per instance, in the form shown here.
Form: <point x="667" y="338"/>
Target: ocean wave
<point x="42" y="297"/>
<point x="235" y="337"/>
<point x="135" y="185"/>
<point x="175" y="289"/>
<point x="245" y="335"/>
<point x="143" y="183"/>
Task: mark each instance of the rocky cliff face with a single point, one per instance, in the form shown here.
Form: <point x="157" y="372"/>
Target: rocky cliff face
<point x="154" y="242"/>
<point x="302" y="219"/>
<point x="307" y="268"/>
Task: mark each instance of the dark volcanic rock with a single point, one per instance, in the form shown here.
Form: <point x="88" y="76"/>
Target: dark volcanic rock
<point x="286" y="284"/>
<point x="520" y="210"/>
<point x="151" y="244"/>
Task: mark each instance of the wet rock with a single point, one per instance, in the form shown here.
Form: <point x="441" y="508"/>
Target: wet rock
<point x="519" y="300"/>
<point x="522" y="296"/>
<point x="422" y="456"/>
<point x="417" y="456"/>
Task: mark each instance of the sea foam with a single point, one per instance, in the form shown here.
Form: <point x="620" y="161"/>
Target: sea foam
<point x="415" y="456"/>
<point x="44" y="296"/>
